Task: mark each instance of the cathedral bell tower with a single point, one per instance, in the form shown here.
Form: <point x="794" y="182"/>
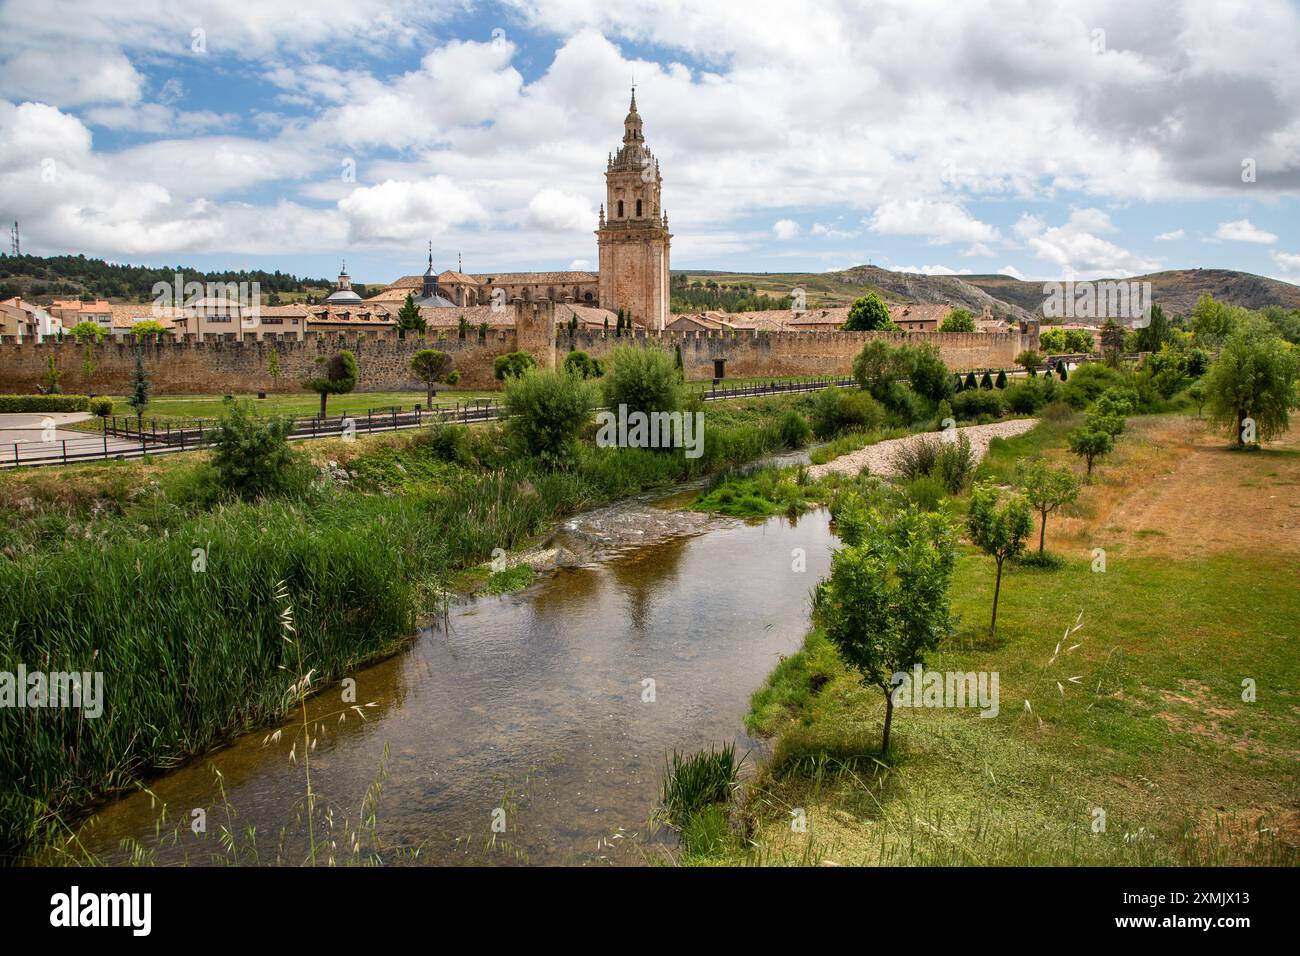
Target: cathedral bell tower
<point x="633" y="235"/>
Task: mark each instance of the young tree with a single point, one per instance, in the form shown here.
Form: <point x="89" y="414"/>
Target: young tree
<point x="1112" y="342"/>
<point x="970" y="382"/>
<point x="139" y="398"/>
<point x="52" y="376"/>
<point x="986" y="381"/>
<point x="869" y="314"/>
<point x="431" y="367"/>
<point x="1046" y="489"/>
<point x="251" y="455"/>
<point x="1108" y="412"/>
<point x="958" y="320"/>
<point x="88" y="331"/>
<point x="273" y="367"/>
<point x="409" y="318"/>
<point x="149" y="327"/>
<point x="999" y="530"/>
<point x="1001" y="380"/>
<point x="885" y="603"/>
<point x="1253" y="379"/>
<point x="1197" y="394"/>
<point x="1090" y="444"/>
<point x="340" y="377"/>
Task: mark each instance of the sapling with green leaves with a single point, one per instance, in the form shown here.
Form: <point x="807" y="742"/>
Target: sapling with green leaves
<point x="885" y="603"/>
<point x="139" y="397"/>
<point x="1046" y="489"/>
<point x="1090" y="444"/>
<point x="999" y="529"/>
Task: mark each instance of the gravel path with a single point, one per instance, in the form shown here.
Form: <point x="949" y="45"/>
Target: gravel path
<point x="879" y="458"/>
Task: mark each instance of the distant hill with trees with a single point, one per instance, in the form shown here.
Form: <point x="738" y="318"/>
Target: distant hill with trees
<point x="42" y="277"/>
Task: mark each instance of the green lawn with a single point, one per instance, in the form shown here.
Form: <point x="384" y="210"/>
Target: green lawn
<point x="165" y="407"/>
<point x="1127" y="742"/>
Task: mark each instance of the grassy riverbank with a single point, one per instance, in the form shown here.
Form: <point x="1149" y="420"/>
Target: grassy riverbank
<point x="99" y="572"/>
<point x="1127" y="743"/>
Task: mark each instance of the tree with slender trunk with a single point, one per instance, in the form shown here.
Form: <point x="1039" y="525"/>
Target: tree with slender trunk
<point x="885" y="603"/>
<point x="999" y="529"/>
<point x="431" y="367"/>
<point x="1090" y="444"/>
<point x="339" y="378"/>
<point x="139" y="398"/>
<point x="1046" y="489"/>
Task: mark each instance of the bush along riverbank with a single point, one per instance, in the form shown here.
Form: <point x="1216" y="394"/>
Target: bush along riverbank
<point x="161" y="576"/>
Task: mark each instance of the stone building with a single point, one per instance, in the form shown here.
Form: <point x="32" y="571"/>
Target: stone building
<point x="633" y="236"/>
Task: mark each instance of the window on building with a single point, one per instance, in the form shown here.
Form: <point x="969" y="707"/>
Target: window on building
<point x="620" y="209"/>
<point x="638" y="209"/>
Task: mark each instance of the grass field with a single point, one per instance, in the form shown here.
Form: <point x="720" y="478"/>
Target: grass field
<point x="304" y="403"/>
<point x="1129" y="742"/>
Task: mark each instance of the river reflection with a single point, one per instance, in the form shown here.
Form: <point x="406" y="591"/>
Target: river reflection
<point x="529" y="703"/>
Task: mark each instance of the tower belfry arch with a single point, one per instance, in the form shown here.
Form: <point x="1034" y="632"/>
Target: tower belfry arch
<point x="632" y="236"/>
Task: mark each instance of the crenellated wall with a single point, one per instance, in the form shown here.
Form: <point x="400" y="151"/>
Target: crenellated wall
<point x="752" y="353"/>
<point x="218" y="366"/>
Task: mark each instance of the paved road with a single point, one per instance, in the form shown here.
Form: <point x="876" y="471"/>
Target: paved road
<point x="29" y="436"/>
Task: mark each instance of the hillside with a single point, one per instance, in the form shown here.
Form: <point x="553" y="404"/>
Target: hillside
<point x="1177" y="291"/>
<point x="41" y="278"/>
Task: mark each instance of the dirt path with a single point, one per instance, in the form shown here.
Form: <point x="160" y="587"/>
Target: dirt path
<point x="879" y="458"/>
<point x="1183" y="492"/>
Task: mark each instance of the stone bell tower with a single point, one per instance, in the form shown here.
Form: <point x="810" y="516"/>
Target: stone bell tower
<point x="633" y="236"/>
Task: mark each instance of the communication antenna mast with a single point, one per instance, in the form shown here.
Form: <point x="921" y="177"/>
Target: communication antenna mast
<point x="14" y="240"/>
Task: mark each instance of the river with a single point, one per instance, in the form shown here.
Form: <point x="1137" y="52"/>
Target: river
<point x="533" y="713"/>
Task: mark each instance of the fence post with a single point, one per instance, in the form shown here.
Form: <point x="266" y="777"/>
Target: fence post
<point x="65" y="451"/>
<point x="106" y="444"/>
<point x="15" y="454"/>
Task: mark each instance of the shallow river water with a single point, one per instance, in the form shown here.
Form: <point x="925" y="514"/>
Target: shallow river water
<point x="527" y="710"/>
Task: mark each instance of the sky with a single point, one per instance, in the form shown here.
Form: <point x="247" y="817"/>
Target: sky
<point x="1043" y="140"/>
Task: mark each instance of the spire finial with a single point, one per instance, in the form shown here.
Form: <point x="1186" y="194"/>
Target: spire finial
<point x="430" y="253"/>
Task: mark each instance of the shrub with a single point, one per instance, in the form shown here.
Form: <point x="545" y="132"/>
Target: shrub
<point x="1001" y="380"/>
<point x="926" y="492"/>
<point x="44" y="403"/>
<point x="1025" y="398"/>
<point x="987" y="381"/>
<point x="916" y="458"/>
<point x="793" y="429"/>
<point x="973" y="403"/>
<point x="450" y="442"/>
<point x="949" y="461"/>
<point x="904" y="405"/>
<point x="546" y="411"/>
<point x="929" y="376"/>
<point x="512" y="365"/>
<point x="583" y="365"/>
<point x="1088" y="381"/>
<point x="102" y="407"/>
<point x="836" y="410"/>
<point x="252" y="456"/>
<point x="970" y="382"/>
<point x="643" y="379"/>
<point x="955" y="466"/>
